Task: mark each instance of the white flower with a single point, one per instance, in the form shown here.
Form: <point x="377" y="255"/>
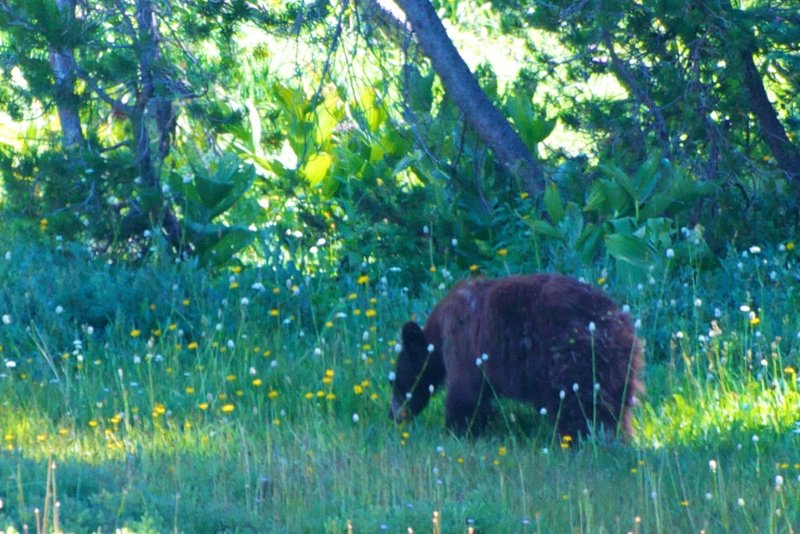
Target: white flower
<point x="740" y="501"/>
<point x="712" y="464"/>
<point x="744" y="308"/>
<point x="454" y="242"/>
<point x="258" y="286"/>
<point x="10" y="364"/>
<point x="670" y="253"/>
<point x="698" y="302"/>
<point x="245" y="301"/>
<point x="355" y="418"/>
<point x="8" y="256"/>
<point x="59" y="309"/>
<point x="398" y="347"/>
<point x="755" y="249"/>
<point x="778" y="482"/>
<point x="230" y="344"/>
<point x="626" y="308"/>
<point x="252" y="371"/>
<point x="709" y="496"/>
<point x="755" y="438"/>
<point x="6" y="319"/>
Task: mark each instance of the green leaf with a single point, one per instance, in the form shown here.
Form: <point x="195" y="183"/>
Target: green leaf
<point x="646" y="177"/>
<point x="628" y="248"/>
<point x="619" y="176"/>
<point x="419" y="89"/>
<point x="316" y="168"/>
<point x="553" y="204"/>
<point x="545" y="228"/>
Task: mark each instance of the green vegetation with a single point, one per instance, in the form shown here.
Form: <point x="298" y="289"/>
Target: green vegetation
<point x="252" y="401"/>
<point x="216" y="216"/>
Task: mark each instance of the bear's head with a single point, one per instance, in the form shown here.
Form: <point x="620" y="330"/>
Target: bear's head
<point x="419" y="370"/>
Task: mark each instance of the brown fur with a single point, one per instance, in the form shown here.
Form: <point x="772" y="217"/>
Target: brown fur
<point x="535" y="331"/>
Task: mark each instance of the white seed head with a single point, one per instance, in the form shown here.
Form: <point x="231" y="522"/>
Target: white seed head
<point x="592" y="326"/>
<point x="431" y="347"/>
<point x="392" y="376"/>
<point x="562" y="394"/>
<point x="670" y="253"/>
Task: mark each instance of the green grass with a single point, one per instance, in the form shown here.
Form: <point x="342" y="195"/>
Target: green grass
<point x="191" y="410"/>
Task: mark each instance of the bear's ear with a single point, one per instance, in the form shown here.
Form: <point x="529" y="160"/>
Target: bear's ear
<point x="413" y="336"/>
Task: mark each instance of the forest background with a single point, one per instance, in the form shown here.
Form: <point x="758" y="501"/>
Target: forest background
<point x="216" y="216"/>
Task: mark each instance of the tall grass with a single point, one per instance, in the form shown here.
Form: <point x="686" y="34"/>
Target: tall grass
<point x="255" y="401"/>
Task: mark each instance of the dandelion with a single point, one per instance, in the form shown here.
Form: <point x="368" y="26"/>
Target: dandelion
<point x="478" y="362"/>
<point x="562" y="394"/>
<point x="189" y="390"/>
<point x="355" y="418"/>
<point x="473" y="268"/>
<point x="92" y="423"/>
<point x="358" y="389"/>
<point x="230" y="378"/>
<point x="370" y="313"/>
<point x="6" y="319"/>
<point x="59" y="309"/>
<point x="778" y="482"/>
<point x="503" y="252"/>
<point x="186" y="302"/>
<point x="575" y="387"/>
<point x="430" y="347"/>
<point x="203" y="406"/>
<point x="712" y="464"/>
<point x="740" y="501"/>
<point x="272" y="394"/>
<point x="192" y="345"/>
<point x="228" y="408"/>
<point x="257" y="382"/>
<point x="502" y="451"/>
<point x="592" y="326"/>
<point x="543" y="411"/>
<point x="755" y="250"/>
<point x="392" y="376"/>
<point x="789" y="246"/>
<point x="670" y="253"/>
<point x="362" y="280"/>
<point x="744" y="308"/>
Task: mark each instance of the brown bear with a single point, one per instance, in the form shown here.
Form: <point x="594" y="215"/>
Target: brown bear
<point x="545" y="339"/>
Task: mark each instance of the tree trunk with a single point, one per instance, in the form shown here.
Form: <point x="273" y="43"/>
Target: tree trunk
<point x="460" y="84"/>
<point x="786" y="154"/>
<point x="64" y="69"/>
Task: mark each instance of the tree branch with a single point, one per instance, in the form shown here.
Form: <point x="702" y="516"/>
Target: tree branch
<point x="479" y="112"/>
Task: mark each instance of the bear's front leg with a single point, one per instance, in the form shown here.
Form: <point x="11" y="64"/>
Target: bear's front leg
<point x="468" y="407"/>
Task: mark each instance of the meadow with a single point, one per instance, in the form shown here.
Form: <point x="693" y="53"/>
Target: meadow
<point x="166" y="398"/>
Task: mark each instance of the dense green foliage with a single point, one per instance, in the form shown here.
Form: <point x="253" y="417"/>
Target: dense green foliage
<point x="216" y="215"/>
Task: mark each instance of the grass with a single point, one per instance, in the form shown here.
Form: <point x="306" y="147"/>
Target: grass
<point x="257" y="402"/>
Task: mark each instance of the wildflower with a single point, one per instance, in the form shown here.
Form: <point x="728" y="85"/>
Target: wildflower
<point x="203" y="406"/>
<point x="92" y="423"/>
<point x="228" y="408"/>
<point x="192" y="345"/>
<point x="592" y="326"/>
<point x="370" y="313"/>
<point x="352" y="296"/>
<point x="502" y="451"/>
<point x="189" y="390"/>
<point x="358" y="389"/>
<point x="575" y="387"/>
<point x="355" y="418"/>
<point x="6" y="319"/>
<point x="392" y="376"/>
<point x="478" y="362"/>
<point x="789" y="246"/>
<point x="363" y="279"/>
<point x="473" y="268"/>
<point x="257" y="382"/>
<point x="258" y="286"/>
<point x="272" y="394"/>
<point x="543" y="411"/>
<point x="432" y="268"/>
<point x="740" y="501"/>
<point x="778" y="482"/>
<point x="330" y="396"/>
<point x="230" y="378"/>
<point x="670" y="253"/>
<point x="245" y="301"/>
<point x="454" y="242"/>
<point x="712" y="464"/>
<point x="562" y="394"/>
<point x="744" y="308"/>
<point x="430" y="347"/>
<point x="185" y="302"/>
<point x="59" y="309"/>
<point x="502" y="252"/>
<point x="309" y="395"/>
<point x="755" y="250"/>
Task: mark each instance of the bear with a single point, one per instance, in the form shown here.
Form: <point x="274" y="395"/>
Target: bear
<point x="545" y="339"/>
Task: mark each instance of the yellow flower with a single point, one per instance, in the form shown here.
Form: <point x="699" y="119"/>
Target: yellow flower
<point x="357" y="311"/>
<point x="363" y="279"/>
<point x="135" y="332"/>
<point x="309" y="395"/>
<point x="330" y="396"/>
<point x="231" y="378"/>
<point x="156" y="332"/>
<point x="790" y="245"/>
<point x="41" y="437"/>
<point x="276" y="291"/>
<point x="92" y="423"/>
<point x="273" y="312"/>
<point x="432" y="268"/>
<point x="272" y="394"/>
<point x="523" y="195"/>
<point x="257" y="382"/>
<point x="329" y="372"/>
<point x="755" y="320"/>
<point x="192" y="345"/>
<point x="502" y="451"/>
<point x="234" y="285"/>
<point x="236" y="269"/>
<point x="502" y="252"/>
<point x="601" y="281"/>
<point x="172" y="327"/>
<point x="370" y="313"/>
<point x="63" y="431"/>
<point x="186" y="302"/>
<point x="189" y="390"/>
<point x="159" y="409"/>
<point x="203" y="406"/>
<point x="276" y="422"/>
<point x="473" y="268"/>
<point x="228" y="408"/>
<point x="357" y="389"/>
<point x="328" y="324"/>
<point x="352" y="296"/>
